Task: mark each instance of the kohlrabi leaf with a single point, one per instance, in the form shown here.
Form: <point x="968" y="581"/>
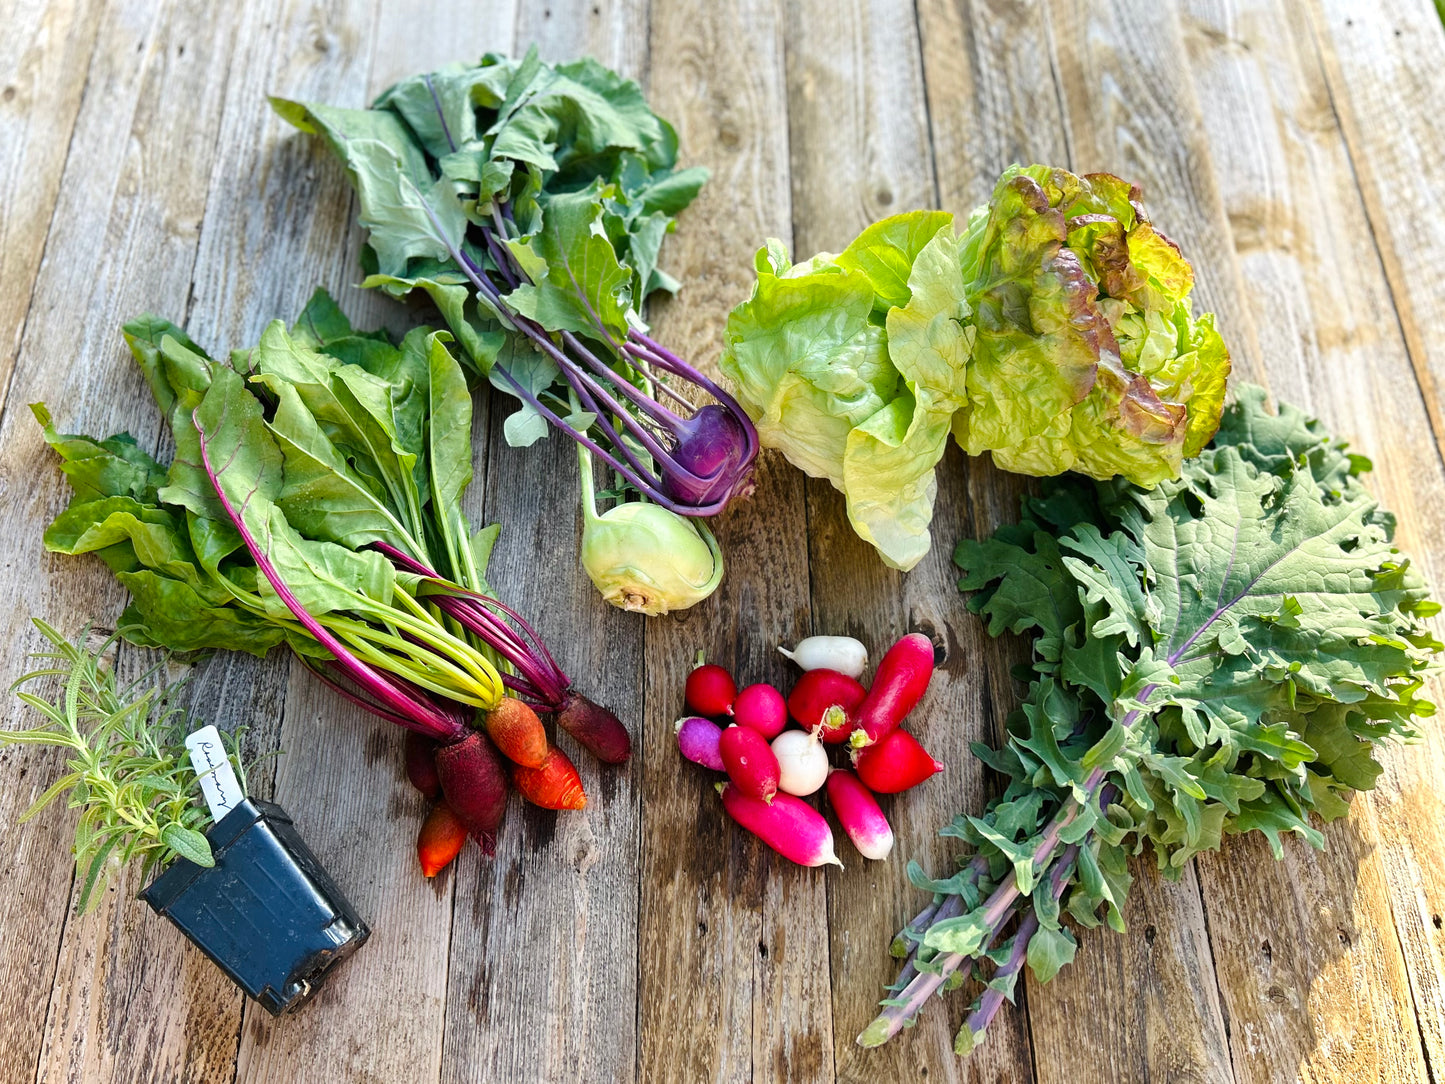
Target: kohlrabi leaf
<point x="586" y="288"/>
<point x="406" y="211"/>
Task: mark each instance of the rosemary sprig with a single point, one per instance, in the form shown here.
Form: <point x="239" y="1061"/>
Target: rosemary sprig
<point x="128" y="770"/>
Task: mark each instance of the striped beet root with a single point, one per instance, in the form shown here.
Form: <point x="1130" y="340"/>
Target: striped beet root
<point x="421" y="766"/>
<point x="474" y="782"/>
<point x="595" y="728"/>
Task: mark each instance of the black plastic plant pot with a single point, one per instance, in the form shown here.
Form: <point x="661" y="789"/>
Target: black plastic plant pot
<point x="266" y="912"/>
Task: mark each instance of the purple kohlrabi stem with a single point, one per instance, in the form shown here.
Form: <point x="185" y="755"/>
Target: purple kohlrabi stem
<point x="585" y="373"/>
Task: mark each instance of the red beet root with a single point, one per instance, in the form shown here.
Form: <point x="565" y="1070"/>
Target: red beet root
<point x="750" y="762"/>
<point x="894" y="764"/>
<point x="761" y="708"/>
<point x="475" y="784"/>
<point x="596" y="729"/>
<point x="421" y="767"/>
<point x="825" y="701"/>
<point x="710" y="690"/>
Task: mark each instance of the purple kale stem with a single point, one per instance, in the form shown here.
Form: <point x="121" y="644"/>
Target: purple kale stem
<point x="992" y="999"/>
<point x="421" y="716"/>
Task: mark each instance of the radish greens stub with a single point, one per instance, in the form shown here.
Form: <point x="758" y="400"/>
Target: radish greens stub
<point x="1217" y="655"/>
<point x="530" y="201"/>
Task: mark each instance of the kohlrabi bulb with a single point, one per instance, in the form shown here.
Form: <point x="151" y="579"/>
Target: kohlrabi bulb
<point x="645" y="558"/>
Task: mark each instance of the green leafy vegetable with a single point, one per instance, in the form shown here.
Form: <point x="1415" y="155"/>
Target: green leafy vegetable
<point x="530" y="202"/>
<point x="1054" y="332"/>
<point x="127" y="768"/>
<point x="315" y="499"/>
<point x="1220" y="654"/>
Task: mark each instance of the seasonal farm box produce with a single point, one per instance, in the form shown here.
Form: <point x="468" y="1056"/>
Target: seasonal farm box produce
<point x="1222" y="631"/>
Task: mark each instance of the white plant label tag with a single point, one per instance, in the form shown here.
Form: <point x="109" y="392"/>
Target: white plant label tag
<point x="213" y="767"/>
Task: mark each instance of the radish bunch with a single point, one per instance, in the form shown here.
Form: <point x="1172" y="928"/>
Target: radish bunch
<point x="775" y="750"/>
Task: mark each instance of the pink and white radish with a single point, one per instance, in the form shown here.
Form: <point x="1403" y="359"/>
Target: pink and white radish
<point x="841" y="653"/>
<point x="802" y="762"/>
<point x="825" y="701"/>
<point x="902" y="679"/>
<point x="761" y="708"/>
<point x="697" y="739"/>
<point x="894" y="764"/>
<point x="750" y="762"/>
<point x="859" y="814"/>
<point x="789" y="826"/>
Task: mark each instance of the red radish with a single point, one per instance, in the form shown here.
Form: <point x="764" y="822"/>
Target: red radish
<point x="789" y="825"/>
<point x="421" y="765"/>
<point x="710" y="690"/>
<point x="595" y="728"/>
<point x="698" y="739"/>
<point x="859" y="814"/>
<point x="900" y="682"/>
<point x="802" y="762"/>
<point x="553" y="785"/>
<point x="750" y="763"/>
<point x="824" y="701"/>
<point x="440" y="839"/>
<point x="761" y="708"/>
<point x="475" y="785"/>
<point x="517" y="732"/>
<point x="894" y="764"/>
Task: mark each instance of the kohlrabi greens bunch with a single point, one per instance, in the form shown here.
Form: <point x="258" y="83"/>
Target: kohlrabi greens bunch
<point x="1054" y="332"/>
<point x="530" y="202"/>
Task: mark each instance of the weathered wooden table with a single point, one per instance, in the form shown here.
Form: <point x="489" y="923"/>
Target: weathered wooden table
<point x="1293" y="149"/>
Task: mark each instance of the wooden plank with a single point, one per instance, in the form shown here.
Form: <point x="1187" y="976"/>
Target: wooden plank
<point x="860" y="150"/>
<point x="1381" y="63"/>
<point x="543" y="975"/>
<point x="1129" y="999"/>
<point x="44" y="58"/>
<point x="123" y="237"/>
<point x="733" y="944"/>
<point x="382" y="1016"/>
<point x="1328" y="329"/>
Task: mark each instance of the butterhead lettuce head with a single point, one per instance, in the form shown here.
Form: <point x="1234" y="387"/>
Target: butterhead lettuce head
<point x="1053" y="332"/>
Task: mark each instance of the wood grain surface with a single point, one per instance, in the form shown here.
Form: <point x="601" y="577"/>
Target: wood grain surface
<point x="1294" y="152"/>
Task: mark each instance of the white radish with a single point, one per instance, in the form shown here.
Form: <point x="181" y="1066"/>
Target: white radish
<point x="841" y="653"/>
<point x="859" y="815"/>
<point x="802" y="761"/>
